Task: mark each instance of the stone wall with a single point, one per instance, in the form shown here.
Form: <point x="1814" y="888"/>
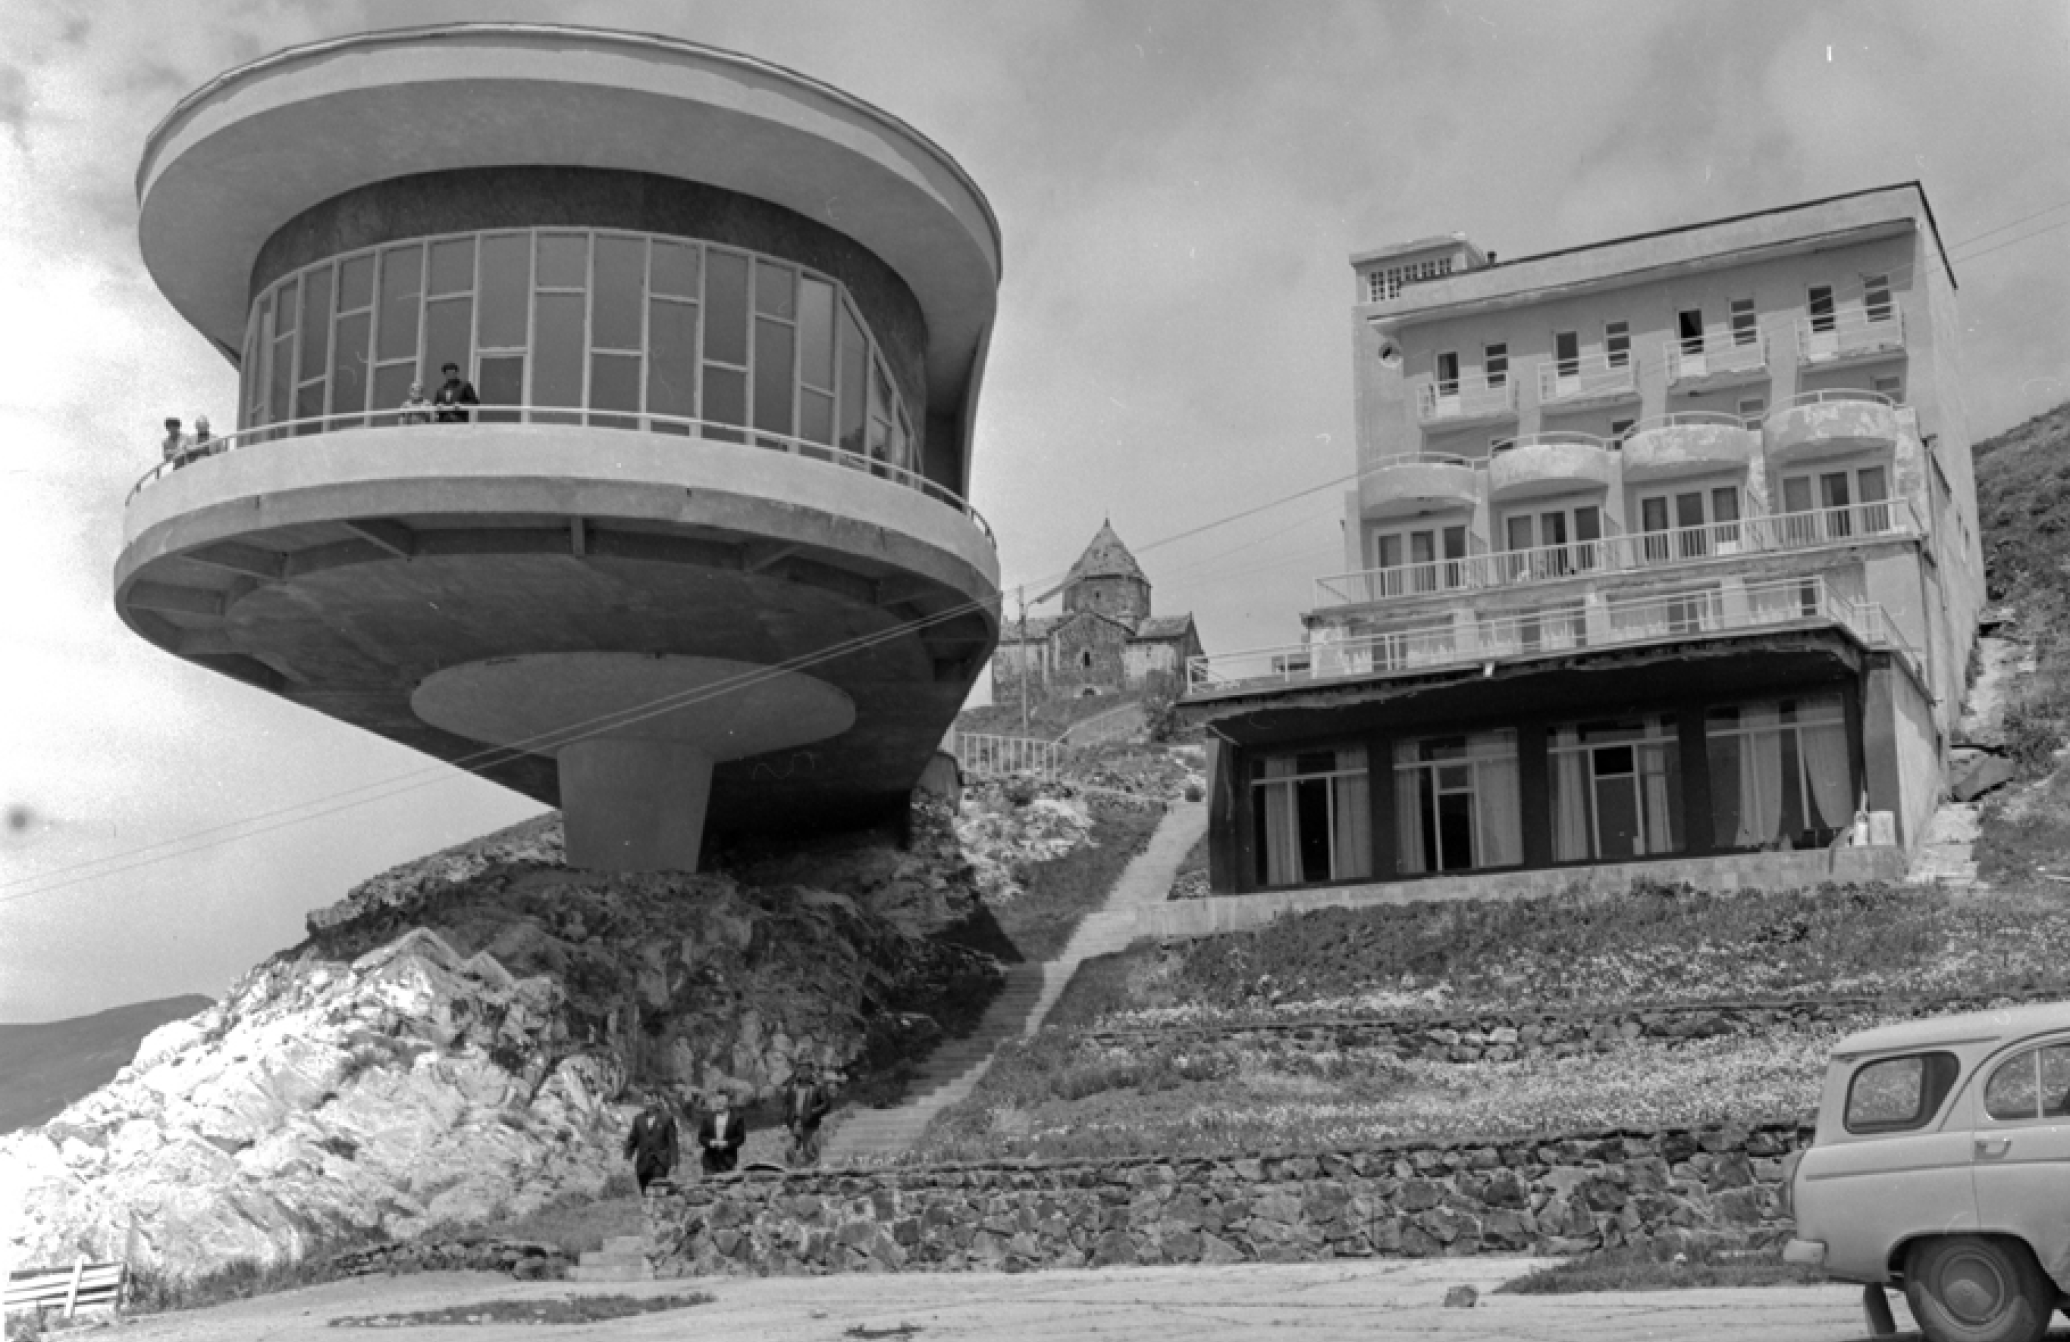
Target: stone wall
<point x="1717" y="1186"/>
<point x="1499" y="1036"/>
<point x="523" y="1259"/>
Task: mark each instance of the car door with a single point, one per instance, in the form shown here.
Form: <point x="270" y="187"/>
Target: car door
<point x="2020" y="1150"/>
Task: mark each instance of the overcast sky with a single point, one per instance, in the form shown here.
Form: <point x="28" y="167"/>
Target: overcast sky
<point x="1179" y="185"/>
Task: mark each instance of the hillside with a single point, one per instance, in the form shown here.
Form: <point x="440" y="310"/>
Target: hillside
<point x="49" y="1064"/>
<point x="2023" y="498"/>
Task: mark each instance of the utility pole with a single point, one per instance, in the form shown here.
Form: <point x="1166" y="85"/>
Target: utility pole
<point x="1022" y="592"/>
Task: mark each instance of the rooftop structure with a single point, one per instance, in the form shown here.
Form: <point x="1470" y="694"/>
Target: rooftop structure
<point x="1664" y="551"/>
<point x="701" y="557"/>
<point x="1105" y="642"/>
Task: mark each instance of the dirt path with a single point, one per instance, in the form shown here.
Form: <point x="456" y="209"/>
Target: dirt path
<point x="1374" y="1300"/>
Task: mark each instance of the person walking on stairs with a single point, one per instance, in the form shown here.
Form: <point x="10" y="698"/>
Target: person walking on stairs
<point x="651" y="1145"/>
<point x="720" y="1134"/>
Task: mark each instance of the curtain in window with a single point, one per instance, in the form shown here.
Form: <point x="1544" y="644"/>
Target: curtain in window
<point x="1352" y="800"/>
<point x="1760" y="776"/>
<point x="1570" y="798"/>
<point x="1282" y="825"/>
<point x="1653" y="768"/>
<point x="1496" y="804"/>
<point x="1824" y="746"/>
<point x="1408" y="812"/>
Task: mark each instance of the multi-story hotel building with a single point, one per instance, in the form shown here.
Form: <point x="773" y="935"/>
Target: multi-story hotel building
<point x="1662" y="557"/>
<point x="701" y="557"/>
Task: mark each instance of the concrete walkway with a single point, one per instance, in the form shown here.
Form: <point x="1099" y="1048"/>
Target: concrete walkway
<point x="1370" y="1300"/>
<point x="951" y="1071"/>
<point x="1947" y="856"/>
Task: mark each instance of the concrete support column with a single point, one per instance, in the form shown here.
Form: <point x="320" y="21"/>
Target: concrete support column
<point x="634" y="805"/>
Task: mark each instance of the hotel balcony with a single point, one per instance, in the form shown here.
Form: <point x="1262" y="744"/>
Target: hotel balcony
<point x="1723" y="609"/>
<point x="1835" y="337"/>
<point x="1822" y="424"/>
<point x="1418" y="482"/>
<point x="1720" y="359"/>
<point x="1587" y="383"/>
<point x="1667" y="447"/>
<point x="1550" y="463"/>
<point x="1466" y="402"/>
<point x="1586" y="561"/>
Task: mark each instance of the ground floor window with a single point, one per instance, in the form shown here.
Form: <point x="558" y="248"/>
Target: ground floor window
<point x="1313" y="817"/>
<point x="1456" y="803"/>
<point x="1781" y="774"/>
<point x="1616" y="789"/>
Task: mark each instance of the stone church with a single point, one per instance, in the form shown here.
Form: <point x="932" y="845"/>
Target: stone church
<point x="1105" y="642"/>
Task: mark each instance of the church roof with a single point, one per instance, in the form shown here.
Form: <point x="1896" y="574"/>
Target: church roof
<point x="1165" y="626"/>
<point x="1106" y="557"/>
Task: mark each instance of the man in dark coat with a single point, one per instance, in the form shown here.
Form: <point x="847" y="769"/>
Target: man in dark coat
<point x="651" y="1145"/>
<point x="452" y="400"/>
<point x="720" y="1134"/>
<point x="805" y="1105"/>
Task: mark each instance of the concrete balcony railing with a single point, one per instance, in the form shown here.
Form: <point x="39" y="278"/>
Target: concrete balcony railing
<point x="1830" y="424"/>
<point x="1551" y="463"/>
<point x="1418" y="482"/>
<point x="1838" y="337"/>
<point x="1719" y="358"/>
<point x="294" y="435"/>
<point x="1666" y="447"/>
<point x="1720" y="610"/>
<point x="1469" y="400"/>
<point x="1595" y="379"/>
<point x="1669" y="549"/>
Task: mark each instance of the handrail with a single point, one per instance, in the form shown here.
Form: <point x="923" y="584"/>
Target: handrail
<point x="1804" y="398"/>
<point x="1466" y="397"/>
<point x="1558" y="438"/>
<point x="314" y="425"/>
<point x="1581" y="624"/>
<point x="1851" y="332"/>
<point x="1686" y="419"/>
<point x="1623" y="552"/>
<point x="1424" y="459"/>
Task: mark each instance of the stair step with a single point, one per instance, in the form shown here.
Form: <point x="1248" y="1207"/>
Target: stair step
<point x="584" y="1272"/>
<point x="626" y="1244"/>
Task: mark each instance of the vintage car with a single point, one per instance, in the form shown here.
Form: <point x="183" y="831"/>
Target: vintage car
<point x="1942" y="1165"/>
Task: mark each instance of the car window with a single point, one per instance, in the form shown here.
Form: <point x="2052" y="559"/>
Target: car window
<point x="1897" y="1094"/>
<point x="2031" y="1084"/>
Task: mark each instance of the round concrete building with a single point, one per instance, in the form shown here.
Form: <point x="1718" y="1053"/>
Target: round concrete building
<point x="697" y="559"/>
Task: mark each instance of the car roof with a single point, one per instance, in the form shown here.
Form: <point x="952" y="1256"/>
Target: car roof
<point x="2004" y="1023"/>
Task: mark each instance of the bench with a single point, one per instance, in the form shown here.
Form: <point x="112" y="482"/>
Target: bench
<point x="83" y="1285"/>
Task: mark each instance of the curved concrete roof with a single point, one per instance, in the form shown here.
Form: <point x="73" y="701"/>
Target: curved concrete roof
<point x="253" y="148"/>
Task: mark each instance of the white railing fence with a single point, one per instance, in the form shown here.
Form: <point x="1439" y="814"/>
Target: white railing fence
<point x="981" y="755"/>
<point x="1716" y="353"/>
<point x="1863" y="330"/>
<point x="676" y="426"/>
<point x="1588" y="375"/>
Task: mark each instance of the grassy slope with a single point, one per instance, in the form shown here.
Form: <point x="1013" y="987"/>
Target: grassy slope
<point x="1047" y="719"/>
<point x="48" y="1065"/>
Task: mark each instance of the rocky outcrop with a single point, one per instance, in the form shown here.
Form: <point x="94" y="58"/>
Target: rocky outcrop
<point x="1713" y="1186"/>
<point x="410" y="1087"/>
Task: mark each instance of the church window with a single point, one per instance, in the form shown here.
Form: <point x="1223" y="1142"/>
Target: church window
<point x="1085" y="658"/>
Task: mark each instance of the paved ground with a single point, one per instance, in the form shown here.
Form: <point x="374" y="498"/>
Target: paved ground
<point x="1371" y="1301"/>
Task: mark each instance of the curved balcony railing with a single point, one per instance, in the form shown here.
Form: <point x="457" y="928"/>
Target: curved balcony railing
<point x="1828" y="397"/>
<point x="287" y="432"/>
<point x="1822" y="423"/>
<point x="1715" y="609"/>
<point x="1622" y="553"/>
<point x="1557" y="438"/>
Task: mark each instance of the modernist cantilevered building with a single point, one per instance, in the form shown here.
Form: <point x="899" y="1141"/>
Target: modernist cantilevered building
<point x="1663" y="558"/>
<point x="703" y="555"/>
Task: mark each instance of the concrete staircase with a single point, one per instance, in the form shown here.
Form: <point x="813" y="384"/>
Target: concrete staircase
<point x="951" y="1072"/>
<point x="623" y="1258"/>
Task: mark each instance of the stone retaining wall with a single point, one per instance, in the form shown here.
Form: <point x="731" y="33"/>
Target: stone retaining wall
<point x="520" y="1258"/>
<point x="1498" y="1036"/>
<point x="1548" y="1196"/>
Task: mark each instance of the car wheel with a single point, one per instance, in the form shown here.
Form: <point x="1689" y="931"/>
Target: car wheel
<point x="1968" y="1288"/>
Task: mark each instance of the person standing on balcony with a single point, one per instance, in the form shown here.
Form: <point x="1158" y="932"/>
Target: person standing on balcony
<point x="454" y="397"/>
<point x="205" y="443"/>
<point x="415" y="409"/>
<point x="178" y="447"/>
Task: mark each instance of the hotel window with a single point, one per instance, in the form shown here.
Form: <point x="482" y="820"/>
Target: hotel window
<point x="1313" y="817"/>
<point x="1745" y="328"/>
<point x="1781" y="773"/>
<point x="1495" y="359"/>
<point x="1616" y="790"/>
<point x="1456" y="804"/>
<point x="1752" y="406"/>
<point x="1418" y="559"/>
<point x="1835" y="504"/>
<point x="1689" y="327"/>
<point x="1689" y="523"/>
<point x="1617" y="344"/>
<point x="1448" y="373"/>
<point x="1567" y="353"/>
<point x="1876" y="305"/>
<point x="1620" y="429"/>
<point x="1820" y="303"/>
<point x="1552" y="542"/>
